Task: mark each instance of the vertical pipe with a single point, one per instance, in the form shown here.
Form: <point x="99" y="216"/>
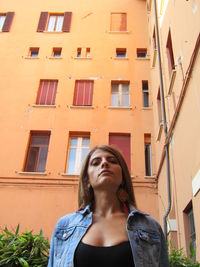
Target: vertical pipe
<point x="164" y="121"/>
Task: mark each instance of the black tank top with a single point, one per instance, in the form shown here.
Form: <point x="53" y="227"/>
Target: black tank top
<point x="114" y="256"/>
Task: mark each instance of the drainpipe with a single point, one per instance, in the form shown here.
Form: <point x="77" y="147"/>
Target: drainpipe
<point x="164" y="121"/>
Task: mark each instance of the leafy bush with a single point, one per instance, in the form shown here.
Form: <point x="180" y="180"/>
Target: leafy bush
<point x="177" y="258"/>
<point x="24" y="249"/>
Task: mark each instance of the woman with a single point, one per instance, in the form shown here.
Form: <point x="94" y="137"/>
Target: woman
<point x="107" y="230"/>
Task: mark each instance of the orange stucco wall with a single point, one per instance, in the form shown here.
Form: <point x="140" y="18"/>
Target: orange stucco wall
<point x="37" y="200"/>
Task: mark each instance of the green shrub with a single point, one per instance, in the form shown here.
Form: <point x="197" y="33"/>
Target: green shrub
<point x="177" y="258"/>
<point x="24" y="249"/>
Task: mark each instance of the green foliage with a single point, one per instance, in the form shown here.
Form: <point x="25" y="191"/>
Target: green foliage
<point x="24" y="249"/>
<point x="177" y="258"/>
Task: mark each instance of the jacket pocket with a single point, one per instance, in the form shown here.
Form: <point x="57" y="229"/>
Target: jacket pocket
<point x="149" y="243"/>
<point x="62" y="240"/>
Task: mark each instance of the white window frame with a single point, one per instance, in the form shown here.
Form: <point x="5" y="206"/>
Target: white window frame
<point x="78" y="149"/>
<point x="2" y="21"/>
<point x="120" y="94"/>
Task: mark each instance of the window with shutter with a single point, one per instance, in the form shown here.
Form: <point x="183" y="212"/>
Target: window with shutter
<point x="78" y="149"/>
<point x="123" y="144"/>
<point x="37" y="152"/>
<point x="47" y="92"/>
<point x="118" y="22"/>
<point x="53" y="22"/>
<point x="6" y="21"/>
<point x="83" y="93"/>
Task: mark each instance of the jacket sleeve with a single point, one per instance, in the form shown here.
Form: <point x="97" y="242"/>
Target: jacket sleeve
<point x="51" y="252"/>
<point x="164" y="260"/>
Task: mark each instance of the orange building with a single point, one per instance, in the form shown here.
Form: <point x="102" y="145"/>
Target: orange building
<point x="175" y="79"/>
<point x="73" y="75"/>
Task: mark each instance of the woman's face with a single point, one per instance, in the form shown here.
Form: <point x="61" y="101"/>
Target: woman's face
<point x="104" y="171"/>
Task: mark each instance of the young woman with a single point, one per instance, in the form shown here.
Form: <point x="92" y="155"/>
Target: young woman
<point x="107" y="230"/>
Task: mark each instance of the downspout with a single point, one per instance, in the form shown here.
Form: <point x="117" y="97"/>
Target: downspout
<point x="164" y="121"/>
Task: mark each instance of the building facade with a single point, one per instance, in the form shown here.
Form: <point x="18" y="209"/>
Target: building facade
<point x="74" y="75"/>
<point x="176" y="119"/>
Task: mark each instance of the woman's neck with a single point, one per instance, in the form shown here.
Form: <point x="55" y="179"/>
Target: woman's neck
<point x="106" y="204"/>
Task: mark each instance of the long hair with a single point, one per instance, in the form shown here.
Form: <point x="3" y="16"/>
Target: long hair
<point x="85" y="195"/>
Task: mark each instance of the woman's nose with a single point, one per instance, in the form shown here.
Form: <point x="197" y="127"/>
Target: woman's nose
<point x="104" y="163"/>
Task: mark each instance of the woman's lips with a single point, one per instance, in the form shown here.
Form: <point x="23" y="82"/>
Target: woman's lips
<point x="105" y="172"/>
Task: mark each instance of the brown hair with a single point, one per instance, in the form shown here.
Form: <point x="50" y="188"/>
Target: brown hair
<point x="85" y="195"/>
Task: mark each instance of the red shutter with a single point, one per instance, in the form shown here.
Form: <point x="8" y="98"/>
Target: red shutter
<point x="88" y="93"/>
<point x="83" y="93"/>
<point x="122" y="142"/>
<point x="42" y="21"/>
<point x="51" y="94"/>
<point x="67" y="21"/>
<point x="8" y="21"/>
<point x="47" y="92"/>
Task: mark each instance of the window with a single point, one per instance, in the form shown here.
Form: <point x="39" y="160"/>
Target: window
<point x="87" y="54"/>
<point x="170" y="55"/>
<point x="121" y="52"/>
<point x="57" y="52"/>
<point x="122" y="142"/>
<point x="78" y="149"/>
<point x="120" y="94"/>
<point x="147" y="152"/>
<point x="37" y="152"/>
<point x="54" y="22"/>
<point x="145" y="90"/>
<point x="78" y="52"/>
<point x="6" y="21"/>
<point x="141" y="52"/>
<point x="83" y="93"/>
<point x="83" y="52"/>
<point x="47" y="92"/>
<point x="190" y="233"/>
<point x="118" y="22"/>
<point x="159" y="107"/>
<point x="33" y="52"/>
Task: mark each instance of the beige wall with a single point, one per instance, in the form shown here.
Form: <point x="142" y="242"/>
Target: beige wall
<point x="184" y="147"/>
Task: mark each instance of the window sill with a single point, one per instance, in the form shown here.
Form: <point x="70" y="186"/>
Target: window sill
<point x="171" y="82"/>
<point x="69" y="174"/>
<point x="143" y="58"/>
<point x="120" y="58"/>
<point x="43" y="106"/>
<point x="111" y="107"/>
<point x="160" y="131"/>
<point x="28" y="57"/>
<point x="147" y="108"/>
<point x="33" y="173"/>
<point x="84" y="107"/>
<point x="118" y="32"/>
<point x="55" y="58"/>
<point x="89" y="58"/>
<point x="150" y="177"/>
<point x="54" y="32"/>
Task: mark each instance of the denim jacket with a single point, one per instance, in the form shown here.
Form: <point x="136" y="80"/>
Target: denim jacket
<point x="144" y="233"/>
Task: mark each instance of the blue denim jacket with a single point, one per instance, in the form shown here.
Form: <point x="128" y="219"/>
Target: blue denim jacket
<point x="145" y="235"/>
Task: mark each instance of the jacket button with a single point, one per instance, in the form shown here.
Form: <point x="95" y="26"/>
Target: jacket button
<point x="137" y="240"/>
